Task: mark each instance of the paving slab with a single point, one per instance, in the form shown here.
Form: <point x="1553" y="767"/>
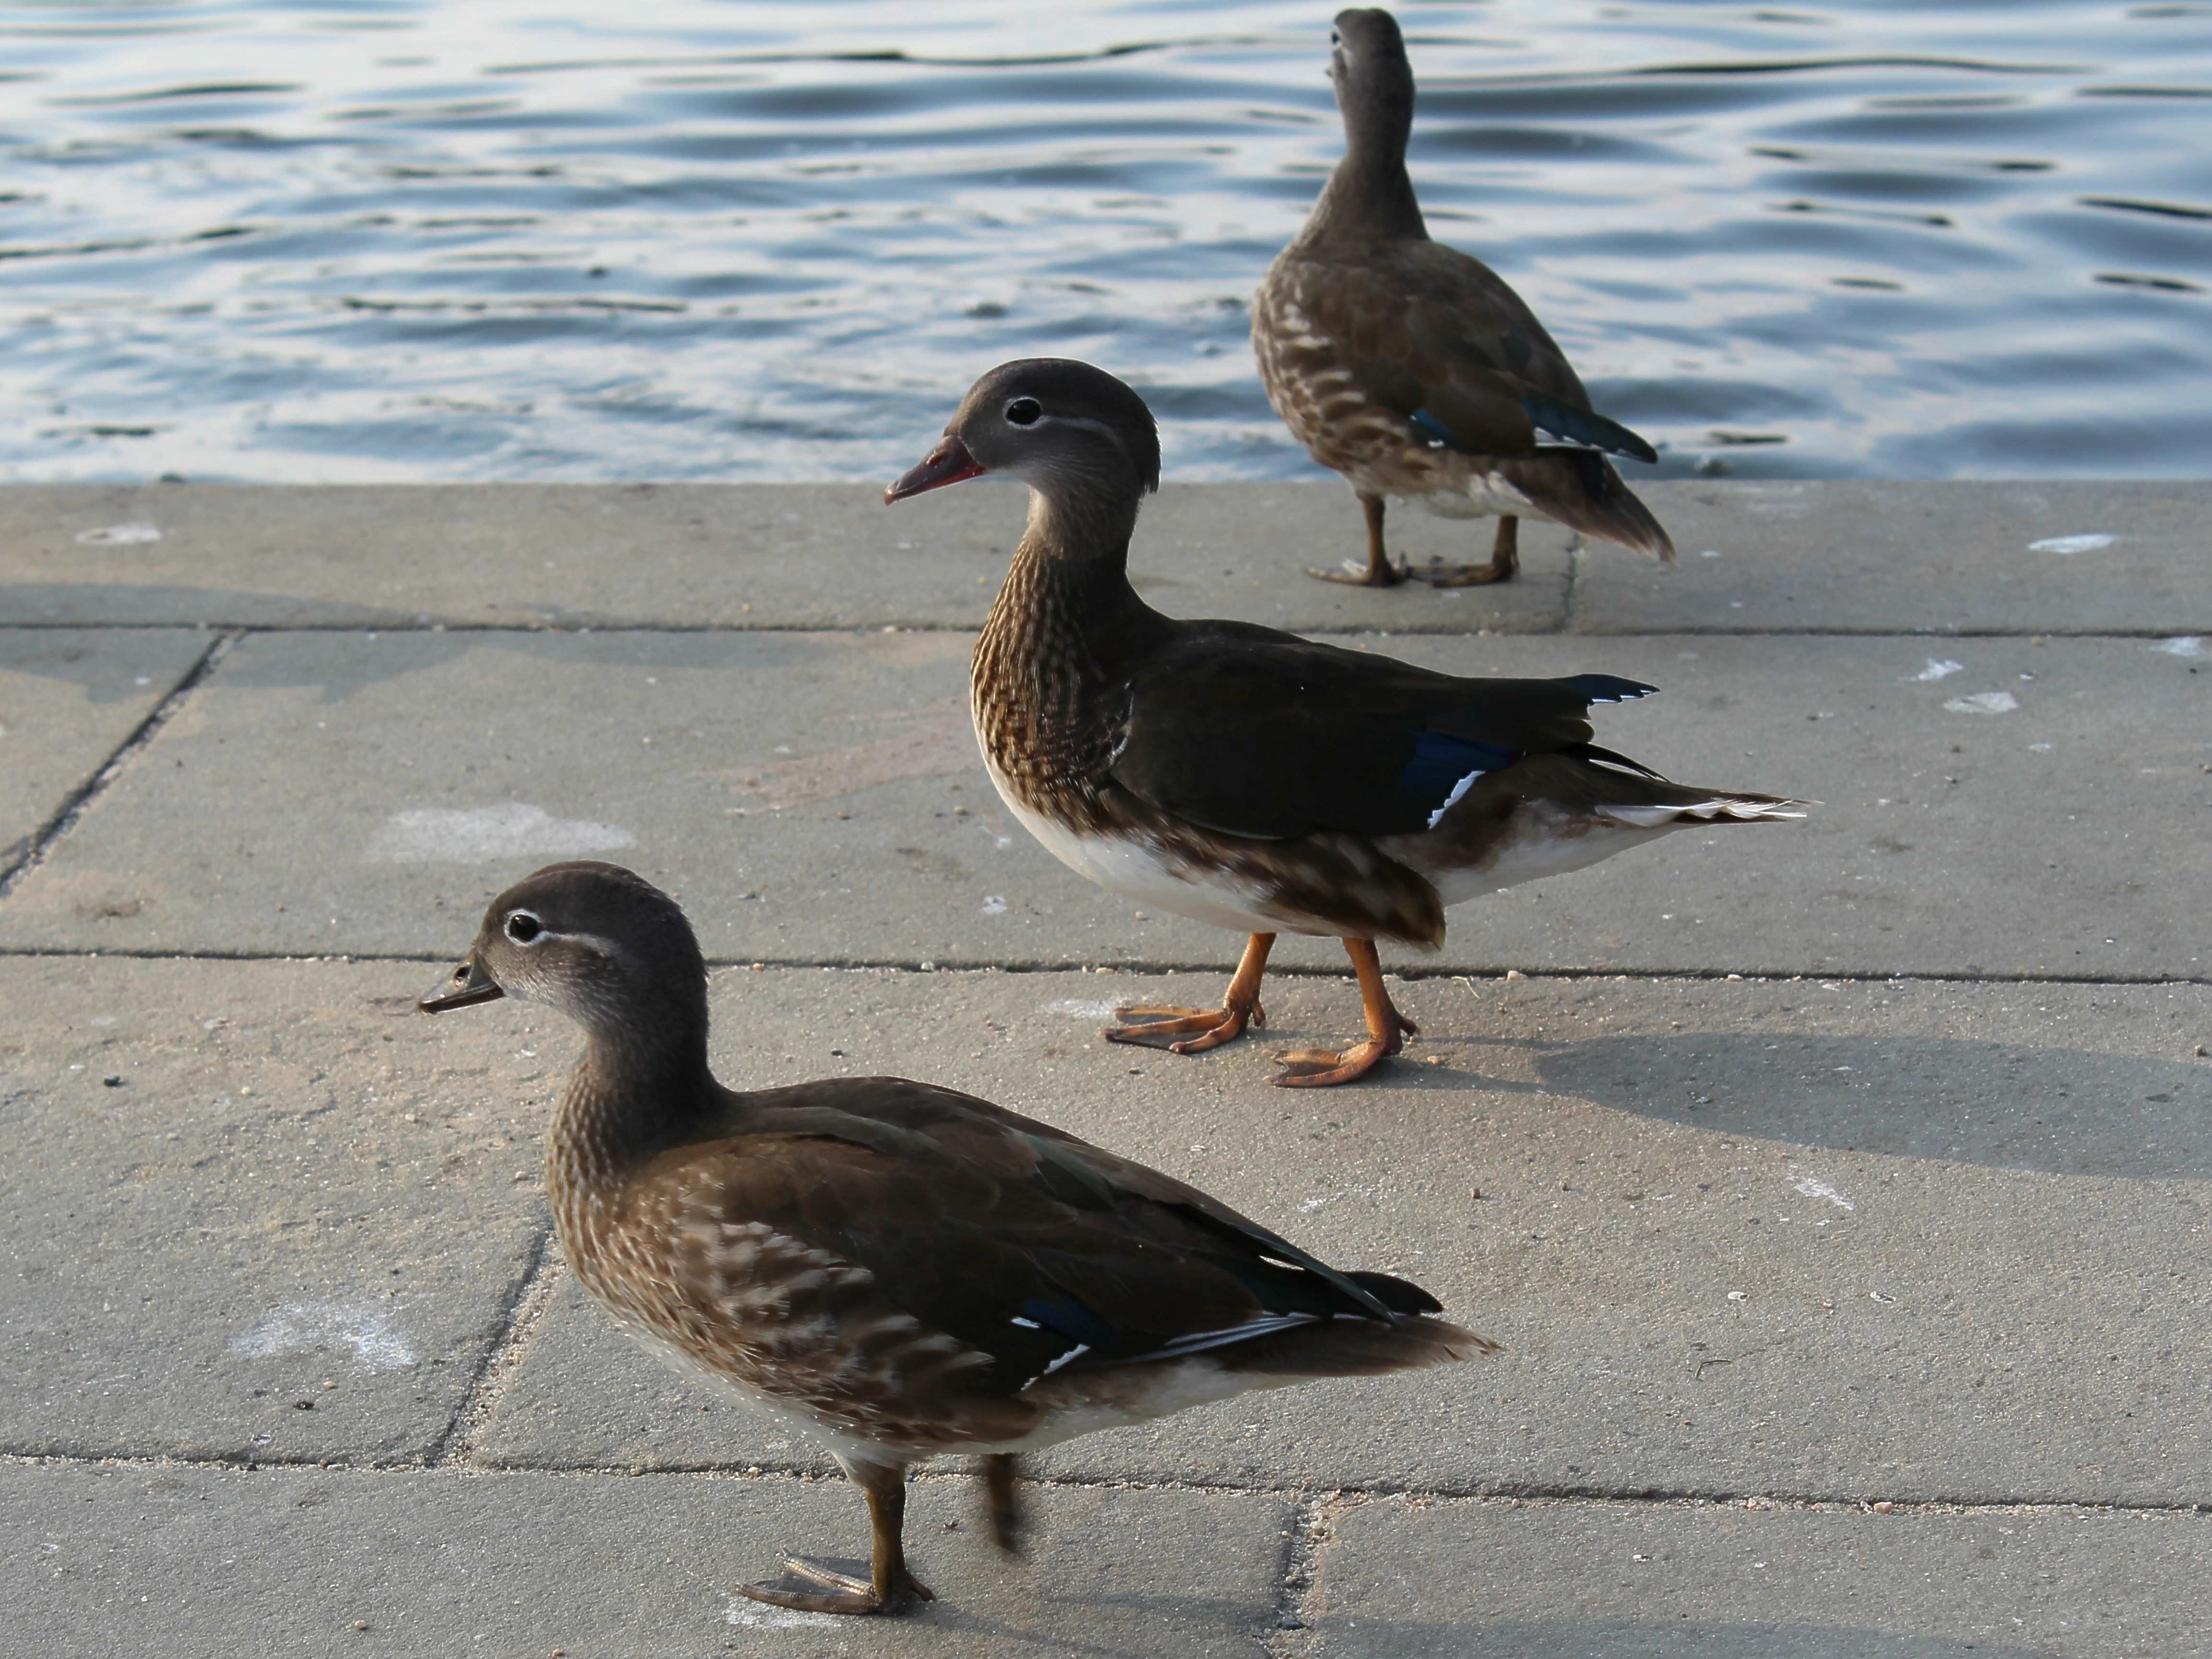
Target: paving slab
<point x="69" y="699"/>
<point x="690" y="556"/>
<point x="1909" y="1242"/>
<point x="1605" y="1581"/>
<point x="253" y="1209"/>
<point x="1848" y="555"/>
<point x="2008" y="808"/>
<point x="218" y="1562"/>
<point x="2051" y="556"/>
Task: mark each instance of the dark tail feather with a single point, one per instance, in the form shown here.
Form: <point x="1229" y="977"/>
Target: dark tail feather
<point x="1350" y="1347"/>
<point x="1585" y="426"/>
<point x="1644" y="799"/>
<point x="1398" y="1295"/>
<point x="1579" y="488"/>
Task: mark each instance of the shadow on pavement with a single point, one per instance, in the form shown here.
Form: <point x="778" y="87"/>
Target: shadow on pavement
<point x="1686" y="1638"/>
<point x="2065" y="1111"/>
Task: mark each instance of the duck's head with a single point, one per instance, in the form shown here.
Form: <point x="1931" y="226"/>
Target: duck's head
<point x="1374" y="82"/>
<point x="1064" y="428"/>
<point x="602" y="945"/>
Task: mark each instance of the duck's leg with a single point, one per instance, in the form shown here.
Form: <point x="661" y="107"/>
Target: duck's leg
<point x="1380" y="572"/>
<point x="1165" y="1028"/>
<point x="1504" y="562"/>
<point x="816" y="1584"/>
<point x="1002" y="1470"/>
<point x="1387" y="1031"/>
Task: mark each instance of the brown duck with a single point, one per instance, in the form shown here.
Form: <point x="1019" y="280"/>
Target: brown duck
<point x="1412" y="368"/>
<point x="903" y="1269"/>
<point x="1250" y="778"/>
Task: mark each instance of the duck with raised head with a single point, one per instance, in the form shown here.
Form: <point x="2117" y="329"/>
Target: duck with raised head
<point x="1412" y="368"/>
<point x="905" y="1270"/>
<point x="1250" y="778"/>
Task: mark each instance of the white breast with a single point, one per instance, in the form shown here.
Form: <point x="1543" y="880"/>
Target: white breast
<point x="1135" y="869"/>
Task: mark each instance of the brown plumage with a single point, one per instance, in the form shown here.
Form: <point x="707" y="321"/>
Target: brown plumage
<point x="1247" y="777"/>
<point x="904" y="1269"/>
<point x="1413" y="369"/>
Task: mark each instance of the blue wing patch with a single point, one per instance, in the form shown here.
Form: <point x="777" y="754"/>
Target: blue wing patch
<point x="1435" y="431"/>
<point x="1070" y="1318"/>
<point x="1443" y="768"/>
<point x="1608" y="688"/>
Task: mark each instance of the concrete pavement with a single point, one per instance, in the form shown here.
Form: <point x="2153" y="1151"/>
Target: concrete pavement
<point x="1854" y="1306"/>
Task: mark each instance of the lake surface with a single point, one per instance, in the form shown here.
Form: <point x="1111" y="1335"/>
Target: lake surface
<point x="423" y="240"/>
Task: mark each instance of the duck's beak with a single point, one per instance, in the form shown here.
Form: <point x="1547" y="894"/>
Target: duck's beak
<point x="947" y="464"/>
<point x="467" y="985"/>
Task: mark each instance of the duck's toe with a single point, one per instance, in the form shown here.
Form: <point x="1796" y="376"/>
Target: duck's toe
<point x="813" y="1584"/>
<point x="1323" y="1068"/>
<point x="1463" y="575"/>
<point x="1362" y="573"/>
<point x="1183" y="1030"/>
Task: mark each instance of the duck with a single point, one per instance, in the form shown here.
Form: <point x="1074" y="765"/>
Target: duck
<point x="903" y="1270"/>
<point x="1413" y="369"/>
<point x="1250" y="778"/>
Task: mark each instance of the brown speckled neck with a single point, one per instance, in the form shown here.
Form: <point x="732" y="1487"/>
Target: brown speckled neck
<point x="633" y="1096"/>
<point x="1053" y="653"/>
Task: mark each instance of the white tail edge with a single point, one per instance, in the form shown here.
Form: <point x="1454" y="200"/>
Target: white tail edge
<point x="1745" y="811"/>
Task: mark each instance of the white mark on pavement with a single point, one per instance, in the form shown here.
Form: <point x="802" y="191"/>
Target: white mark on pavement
<point x="1939" y="668"/>
<point x="758" y="1615"/>
<point x="994" y="905"/>
<point x="1984" y="702"/>
<point x="1077" y="1009"/>
<point x="357" y="1326"/>
<point x="2088" y="543"/>
<point x="119" y="535"/>
<point x="435" y="835"/>
<point x="2182" y="645"/>
<point x="1813" y="1187"/>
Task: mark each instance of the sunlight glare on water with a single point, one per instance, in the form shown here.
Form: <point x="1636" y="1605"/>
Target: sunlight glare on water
<point x="481" y="239"/>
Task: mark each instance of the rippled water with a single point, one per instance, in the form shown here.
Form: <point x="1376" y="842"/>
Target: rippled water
<point x="484" y="238"/>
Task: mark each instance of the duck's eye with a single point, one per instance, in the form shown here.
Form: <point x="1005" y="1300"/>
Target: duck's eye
<point x="1334" y="39"/>
<point x="1024" y="411"/>
<point x="522" y="927"/>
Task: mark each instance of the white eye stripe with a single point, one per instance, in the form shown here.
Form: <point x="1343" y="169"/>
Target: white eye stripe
<point x="1090" y="425"/>
<point x="597" y="943"/>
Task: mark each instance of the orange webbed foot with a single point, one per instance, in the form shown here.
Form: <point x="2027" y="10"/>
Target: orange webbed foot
<point x="1170" y="1028"/>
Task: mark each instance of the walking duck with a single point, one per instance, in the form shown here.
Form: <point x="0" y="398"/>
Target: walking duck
<point x="904" y="1269"/>
<point x="1412" y="368"/>
<point x="1250" y="778"/>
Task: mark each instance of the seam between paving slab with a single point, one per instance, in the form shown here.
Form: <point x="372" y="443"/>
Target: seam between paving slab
<point x="1571" y="597"/>
<point x="1323" y="1500"/>
<point x="520" y="1315"/>
<point x="1409" y="629"/>
<point x="1301" y="1568"/>
<point x="1408" y="973"/>
<point x="81" y="799"/>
